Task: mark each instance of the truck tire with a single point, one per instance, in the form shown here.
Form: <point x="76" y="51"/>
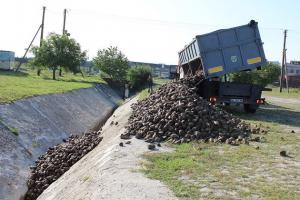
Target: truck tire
<point x="250" y="108"/>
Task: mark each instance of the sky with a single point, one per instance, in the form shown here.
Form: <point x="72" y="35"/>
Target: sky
<point x="149" y="30"/>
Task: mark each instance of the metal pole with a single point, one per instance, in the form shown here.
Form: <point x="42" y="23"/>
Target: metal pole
<point x="283" y="61"/>
<point x="42" y="26"/>
<point x="28" y="48"/>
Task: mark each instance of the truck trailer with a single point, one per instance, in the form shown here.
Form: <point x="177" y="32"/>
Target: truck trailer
<point x="220" y="53"/>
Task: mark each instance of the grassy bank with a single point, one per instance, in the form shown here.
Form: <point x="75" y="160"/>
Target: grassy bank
<point x="14" y="86"/>
<point x="157" y="82"/>
<point x="220" y="171"/>
<point x="293" y="92"/>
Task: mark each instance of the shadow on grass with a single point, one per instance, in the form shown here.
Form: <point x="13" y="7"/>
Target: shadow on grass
<point x="77" y="81"/>
<point x="71" y="80"/>
<point x="269" y="113"/>
<point x="13" y="73"/>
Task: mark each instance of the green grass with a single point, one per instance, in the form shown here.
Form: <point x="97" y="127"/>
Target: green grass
<point x="157" y="83"/>
<point x="235" y="172"/>
<point x="14" y="86"/>
<point x="14" y="131"/>
<point x="85" y="178"/>
<point x="293" y="92"/>
<point x="36" y="144"/>
<point x="143" y="94"/>
<point x="160" y="81"/>
<point x="120" y="102"/>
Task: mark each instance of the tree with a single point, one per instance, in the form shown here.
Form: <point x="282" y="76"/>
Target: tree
<point x="137" y="76"/>
<point x="58" y="51"/>
<point x="112" y="62"/>
<point x="267" y="75"/>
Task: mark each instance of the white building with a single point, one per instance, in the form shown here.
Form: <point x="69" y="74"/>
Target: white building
<point x="7" y="59"/>
<point x="293" y="68"/>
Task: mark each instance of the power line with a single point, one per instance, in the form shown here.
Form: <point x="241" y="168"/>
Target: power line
<point x="80" y="11"/>
<point x="56" y="12"/>
<point x="293" y="31"/>
<point x="122" y="17"/>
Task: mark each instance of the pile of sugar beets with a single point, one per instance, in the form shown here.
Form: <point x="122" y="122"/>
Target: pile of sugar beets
<point x="58" y="159"/>
<point x="176" y="113"/>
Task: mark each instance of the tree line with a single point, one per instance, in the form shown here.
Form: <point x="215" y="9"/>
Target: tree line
<point x="61" y="52"/>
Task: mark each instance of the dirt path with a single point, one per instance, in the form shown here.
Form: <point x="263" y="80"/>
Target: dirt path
<point x="285" y="111"/>
<point x="109" y="171"/>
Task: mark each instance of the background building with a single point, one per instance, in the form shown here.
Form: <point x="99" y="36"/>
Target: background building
<point x="7" y="59"/>
<point x="293" y="71"/>
<point x="293" y="68"/>
<point x="158" y="70"/>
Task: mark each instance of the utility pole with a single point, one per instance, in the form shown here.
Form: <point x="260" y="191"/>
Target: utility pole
<point x="64" y="24"/>
<point x="27" y="49"/>
<point x="42" y="35"/>
<point x="63" y="32"/>
<point x="42" y="26"/>
<point x="286" y="74"/>
<point x="283" y="65"/>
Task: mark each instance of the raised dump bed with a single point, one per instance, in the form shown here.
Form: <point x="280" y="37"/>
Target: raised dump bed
<point x="224" y="51"/>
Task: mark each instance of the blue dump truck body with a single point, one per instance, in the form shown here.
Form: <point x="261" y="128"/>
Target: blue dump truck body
<point x="225" y="51"/>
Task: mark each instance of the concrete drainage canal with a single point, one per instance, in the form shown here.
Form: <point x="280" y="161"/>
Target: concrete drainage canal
<point x="42" y="137"/>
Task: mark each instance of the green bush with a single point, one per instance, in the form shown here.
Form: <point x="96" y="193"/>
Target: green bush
<point x="267" y="75"/>
<point x="112" y="62"/>
<point x="137" y="76"/>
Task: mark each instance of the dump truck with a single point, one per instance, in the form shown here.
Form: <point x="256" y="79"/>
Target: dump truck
<point x="220" y="53"/>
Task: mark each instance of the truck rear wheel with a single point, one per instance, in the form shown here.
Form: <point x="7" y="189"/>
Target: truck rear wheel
<point x="250" y="108"/>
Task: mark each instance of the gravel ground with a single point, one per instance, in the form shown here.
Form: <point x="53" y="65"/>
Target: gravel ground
<point x="110" y="171"/>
